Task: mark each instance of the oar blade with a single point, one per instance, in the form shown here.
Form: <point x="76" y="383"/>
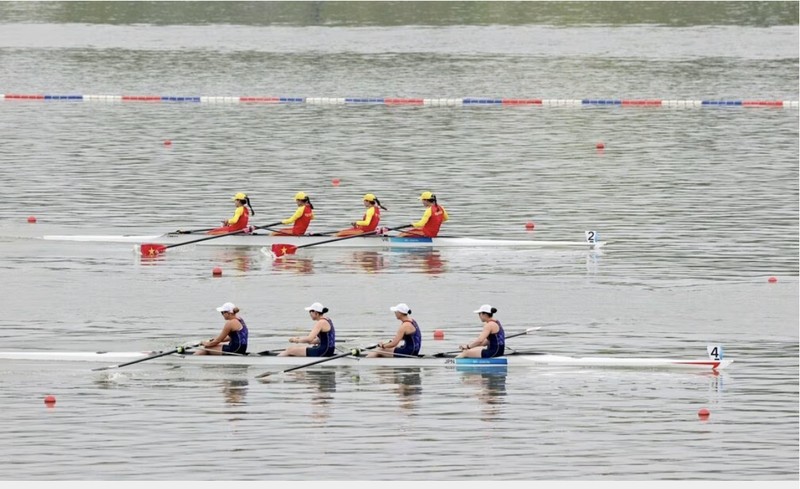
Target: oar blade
<point x="280" y="249"/>
<point x="150" y="250"/>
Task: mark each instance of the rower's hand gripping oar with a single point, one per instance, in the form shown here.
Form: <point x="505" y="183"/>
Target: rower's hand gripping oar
<point x="155" y="249"/>
<point x="445" y="353"/>
<point x="278" y="249"/>
<point x="180" y="349"/>
<point x="354" y="352"/>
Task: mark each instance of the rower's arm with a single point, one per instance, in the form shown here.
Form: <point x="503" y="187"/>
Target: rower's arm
<point x="236" y="215"/>
<point x="445" y="217"/>
<point x="297" y="215"/>
<point x="483" y="339"/>
<point x="398" y="337"/>
<point x="367" y="217"/>
<point x="223" y="336"/>
<point x="313" y="336"/>
<point x="422" y="222"/>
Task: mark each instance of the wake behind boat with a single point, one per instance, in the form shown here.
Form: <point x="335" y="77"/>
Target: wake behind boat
<point x="713" y="362"/>
<point x="260" y="240"/>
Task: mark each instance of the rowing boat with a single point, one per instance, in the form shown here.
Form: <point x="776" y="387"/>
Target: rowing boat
<point x="519" y="359"/>
<point x="374" y="241"/>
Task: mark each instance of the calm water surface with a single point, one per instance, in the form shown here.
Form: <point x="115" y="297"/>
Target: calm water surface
<point x="700" y="207"/>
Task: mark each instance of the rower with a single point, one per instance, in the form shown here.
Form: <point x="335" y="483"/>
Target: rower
<point x="233" y="337"/>
<point x="492" y="340"/>
<point x="408" y="333"/>
<point x="371" y="218"/>
<point x="300" y="219"/>
<point x="322" y="337"/>
<point x="240" y="218"/>
<point x="428" y="226"/>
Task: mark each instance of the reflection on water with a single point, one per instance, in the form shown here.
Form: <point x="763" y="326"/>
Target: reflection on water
<point x="242" y="259"/>
<point x="408" y="385"/>
<point x="369" y="261"/>
<point x="323" y="386"/>
<point x="235" y="391"/>
<point x="293" y="264"/>
<point x="407" y="260"/>
<point x="424" y="260"/>
<point x="491" y="384"/>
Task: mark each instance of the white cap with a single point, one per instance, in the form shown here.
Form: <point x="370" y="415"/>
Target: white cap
<point x="485" y="308"/>
<point x="401" y="308"/>
<point x="315" y="307"/>
<point x="227" y="307"/>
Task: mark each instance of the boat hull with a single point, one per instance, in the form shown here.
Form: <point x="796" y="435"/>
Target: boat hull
<point x="517" y="360"/>
<point x="267" y="240"/>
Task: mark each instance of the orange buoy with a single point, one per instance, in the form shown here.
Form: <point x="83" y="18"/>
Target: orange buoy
<point x="438" y="334"/>
<point x="772" y="280"/>
<point x="217" y="271"/>
<point x="50" y="400"/>
<point x="703" y="413"/>
<point x="31" y="219"/>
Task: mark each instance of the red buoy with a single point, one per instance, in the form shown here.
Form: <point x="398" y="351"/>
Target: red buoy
<point x="600" y="145"/>
<point x="703" y="413"/>
<point x="167" y="143"/>
<point x="772" y="280"/>
<point x="438" y="334"/>
<point x="31" y="219"/>
<point x="217" y="271"/>
<point x="335" y="182"/>
<point x="529" y="226"/>
<point x="50" y="400"/>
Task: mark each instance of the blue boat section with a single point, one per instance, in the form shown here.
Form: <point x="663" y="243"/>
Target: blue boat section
<point x="181" y="99"/>
<point x="78" y="98"/>
<point x="482" y="362"/>
<point x="377" y="101"/>
<point x="410" y="240"/>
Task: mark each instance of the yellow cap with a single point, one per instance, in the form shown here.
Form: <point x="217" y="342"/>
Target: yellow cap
<point x="426" y="196"/>
<point x="369" y="197"/>
<point x="300" y="196"/>
<point x="239" y="196"/>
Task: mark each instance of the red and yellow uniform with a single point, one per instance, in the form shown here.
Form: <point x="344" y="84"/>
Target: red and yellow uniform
<point x="241" y="217"/>
<point x="431" y="220"/>
<point x="301" y="218"/>
<point x="369" y="222"/>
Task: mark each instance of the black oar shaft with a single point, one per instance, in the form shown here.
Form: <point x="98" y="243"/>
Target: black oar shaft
<point x="151" y="357"/>
<point x="350" y="237"/>
<point x="214" y="236"/>
<point x="322" y="360"/>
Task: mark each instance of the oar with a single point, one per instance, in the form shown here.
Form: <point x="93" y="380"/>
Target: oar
<point x="445" y="353"/>
<point x="354" y="352"/>
<point x="155" y="249"/>
<point x="279" y="249"/>
<point x="190" y="231"/>
<point x="179" y="349"/>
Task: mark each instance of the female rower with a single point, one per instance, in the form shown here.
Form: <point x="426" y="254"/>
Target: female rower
<point x="371" y="218"/>
<point x="322" y="337"/>
<point x="240" y="216"/>
<point x="408" y="333"/>
<point x="232" y="338"/>
<point x="492" y="340"/>
<point x="431" y="220"/>
<point x="300" y="219"/>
